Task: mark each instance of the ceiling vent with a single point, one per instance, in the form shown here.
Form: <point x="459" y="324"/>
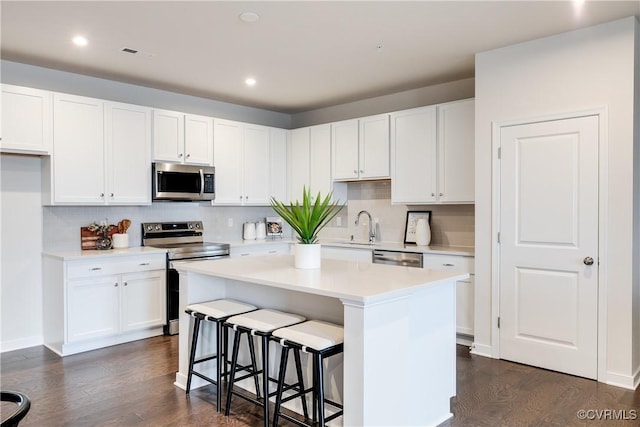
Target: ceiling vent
<point x="137" y="52"/>
<point x="129" y="50"/>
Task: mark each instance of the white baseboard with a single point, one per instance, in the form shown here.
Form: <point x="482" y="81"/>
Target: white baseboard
<point x="21" y="343"/>
<point x="630" y="382"/>
<point x="481" y="350"/>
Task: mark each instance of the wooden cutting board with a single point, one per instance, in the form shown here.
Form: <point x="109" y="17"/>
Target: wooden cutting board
<point x="88" y="238"/>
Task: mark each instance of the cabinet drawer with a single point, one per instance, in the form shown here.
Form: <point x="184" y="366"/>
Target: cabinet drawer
<point x="449" y="262"/>
<point x="101" y="267"/>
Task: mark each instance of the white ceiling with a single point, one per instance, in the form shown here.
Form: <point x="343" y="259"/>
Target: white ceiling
<point x="304" y="54"/>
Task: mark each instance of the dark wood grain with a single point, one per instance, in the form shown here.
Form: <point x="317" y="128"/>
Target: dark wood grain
<point x="132" y="385"/>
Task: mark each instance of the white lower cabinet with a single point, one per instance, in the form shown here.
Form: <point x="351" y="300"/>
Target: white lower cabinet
<point x="347" y="254"/>
<point x="464" y="288"/>
<point x="90" y="304"/>
<point x="258" y="249"/>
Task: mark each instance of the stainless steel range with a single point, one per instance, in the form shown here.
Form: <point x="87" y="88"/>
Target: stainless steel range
<point x="184" y="241"/>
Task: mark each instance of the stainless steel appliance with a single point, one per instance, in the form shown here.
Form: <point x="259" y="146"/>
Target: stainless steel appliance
<point x="184" y="241"/>
<point x="403" y="259"/>
<point x="182" y="182"/>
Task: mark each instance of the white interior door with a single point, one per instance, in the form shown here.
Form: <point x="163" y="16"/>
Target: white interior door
<point x="549" y="245"/>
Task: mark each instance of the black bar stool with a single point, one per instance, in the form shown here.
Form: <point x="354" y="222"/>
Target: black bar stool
<point x="216" y="311"/>
<point x="260" y="323"/>
<point x="321" y="340"/>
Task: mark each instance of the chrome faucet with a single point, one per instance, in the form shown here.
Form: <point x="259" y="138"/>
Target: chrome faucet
<point x="372" y="230"/>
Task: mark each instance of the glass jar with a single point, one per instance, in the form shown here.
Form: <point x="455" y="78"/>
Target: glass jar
<point x="103" y="243"/>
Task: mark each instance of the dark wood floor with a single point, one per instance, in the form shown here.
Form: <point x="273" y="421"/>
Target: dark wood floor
<point x="132" y="385"/>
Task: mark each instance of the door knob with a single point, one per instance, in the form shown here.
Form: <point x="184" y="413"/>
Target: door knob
<point x="588" y="261"/>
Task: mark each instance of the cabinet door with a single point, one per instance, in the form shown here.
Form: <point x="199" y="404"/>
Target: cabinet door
<point x="374" y="147"/>
<point x="255" y="165"/>
<point x="278" y="164"/>
<point x="27" y="120"/>
<point x="320" y="159"/>
<point x="298" y="163"/>
<point x="78" y="158"/>
<point x="143" y="300"/>
<point x="198" y="140"/>
<point x="93" y="308"/>
<point x="168" y="136"/>
<point x="456" y="144"/>
<point x="227" y="152"/>
<point x="128" y="147"/>
<point x="344" y="149"/>
<point x="413" y="156"/>
<point x="465" y="306"/>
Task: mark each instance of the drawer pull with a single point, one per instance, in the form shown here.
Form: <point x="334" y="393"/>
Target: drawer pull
<point x="115" y="284"/>
<point x="125" y="283"/>
<point x="273" y="252"/>
<point x="448" y="265"/>
<point x="95" y="269"/>
<point x="144" y="263"/>
<point x="244" y="254"/>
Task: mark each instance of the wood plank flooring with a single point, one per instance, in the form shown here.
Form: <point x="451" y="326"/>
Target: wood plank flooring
<point x="132" y="385"/>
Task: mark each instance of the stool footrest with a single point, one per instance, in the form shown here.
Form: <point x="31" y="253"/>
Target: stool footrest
<point x="205" y="359"/>
<point x="204" y="377"/>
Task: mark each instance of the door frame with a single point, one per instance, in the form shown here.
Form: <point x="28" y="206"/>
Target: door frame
<point x="603" y="169"/>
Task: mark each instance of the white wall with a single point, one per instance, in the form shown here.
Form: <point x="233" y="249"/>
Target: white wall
<point x="20" y="249"/>
<point x="583" y="69"/>
<point x="636" y="250"/>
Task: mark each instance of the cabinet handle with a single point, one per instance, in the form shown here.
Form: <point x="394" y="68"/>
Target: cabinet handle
<point x="448" y="265"/>
<point x="361" y="170"/>
<point x="244" y="254"/>
<point x="441" y="194"/>
<point x="246" y="197"/>
<point x="355" y="171"/>
<point x="241" y="197"/>
<point x="125" y="283"/>
<point x="433" y="194"/>
<point x="111" y="195"/>
<point x="180" y="155"/>
<point x="144" y="263"/>
<point x="273" y="252"/>
<point x="96" y="268"/>
<point x="188" y="156"/>
<point x="101" y="194"/>
<point x="115" y="284"/>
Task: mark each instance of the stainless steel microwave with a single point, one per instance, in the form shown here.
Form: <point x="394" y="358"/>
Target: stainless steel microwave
<point x="183" y="182"/>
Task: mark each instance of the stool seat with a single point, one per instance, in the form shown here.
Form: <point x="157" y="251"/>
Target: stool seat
<point x="314" y="334"/>
<point x="265" y="320"/>
<point x="219" y="309"/>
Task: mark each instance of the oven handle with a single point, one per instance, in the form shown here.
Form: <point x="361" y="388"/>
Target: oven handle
<point x="205" y="258"/>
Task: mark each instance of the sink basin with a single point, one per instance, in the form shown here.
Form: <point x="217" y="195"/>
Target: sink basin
<point x="348" y="242"/>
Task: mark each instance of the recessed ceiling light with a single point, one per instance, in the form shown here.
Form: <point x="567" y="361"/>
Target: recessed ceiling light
<point x="80" y="41"/>
<point x="249" y="17"/>
<point x="250" y="81"/>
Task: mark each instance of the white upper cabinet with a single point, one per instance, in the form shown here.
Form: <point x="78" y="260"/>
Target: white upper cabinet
<point x="456" y="148"/>
<point x="309" y="160"/>
<point x="242" y="157"/>
<point x="432" y="154"/>
<point x="101" y="153"/>
<point x="360" y="148"/>
<point x="78" y="174"/>
<point x="128" y="154"/>
<point x="27" y="121"/>
<point x="182" y="138"/>
<point x="278" y="164"/>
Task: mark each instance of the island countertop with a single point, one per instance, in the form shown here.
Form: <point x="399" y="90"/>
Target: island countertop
<point x="363" y="283"/>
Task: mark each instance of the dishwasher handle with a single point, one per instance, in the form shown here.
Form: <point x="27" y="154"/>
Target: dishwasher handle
<point x="403" y="259"/>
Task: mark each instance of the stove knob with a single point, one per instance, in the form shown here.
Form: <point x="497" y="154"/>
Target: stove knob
<point x="197" y="225"/>
<point x="190" y="226"/>
<point x="157" y="227"/>
<point x="149" y="227"/>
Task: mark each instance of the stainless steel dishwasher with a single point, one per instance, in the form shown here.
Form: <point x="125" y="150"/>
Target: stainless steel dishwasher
<point x="403" y="259"/>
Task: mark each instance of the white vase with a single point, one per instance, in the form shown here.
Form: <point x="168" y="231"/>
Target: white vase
<point x="423" y="232"/>
<point x="307" y="256"/>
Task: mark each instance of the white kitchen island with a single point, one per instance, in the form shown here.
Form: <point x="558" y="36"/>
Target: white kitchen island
<point x="399" y="350"/>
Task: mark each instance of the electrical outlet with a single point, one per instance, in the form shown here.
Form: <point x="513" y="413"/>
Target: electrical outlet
<point x="339" y="221"/>
<point x="230" y="222"/>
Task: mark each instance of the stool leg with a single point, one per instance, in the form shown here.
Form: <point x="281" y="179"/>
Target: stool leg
<point x="283" y="368"/>
<point x="225" y="333"/>
<point x="254" y="364"/>
<point x="320" y="388"/>
<point x="219" y="360"/>
<point x="314" y="389"/>
<point x="303" y="398"/>
<point x="192" y="355"/>
<point x="234" y="361"/>
<point x="265" y="378"/>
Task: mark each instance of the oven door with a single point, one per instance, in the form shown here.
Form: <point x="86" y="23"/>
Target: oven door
<point x="173" y="292"/>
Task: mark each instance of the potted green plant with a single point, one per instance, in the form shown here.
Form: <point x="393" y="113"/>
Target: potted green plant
<point x="307" y="219"/>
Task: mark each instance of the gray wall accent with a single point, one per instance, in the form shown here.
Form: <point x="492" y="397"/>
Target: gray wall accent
<point x="77" y="84"/>
<point x="420" y="97"/>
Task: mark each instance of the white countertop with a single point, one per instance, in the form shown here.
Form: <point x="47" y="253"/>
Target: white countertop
<point x="73" y="255"/>
<point x="393" y="246"/>
<point x="363" y="283"/>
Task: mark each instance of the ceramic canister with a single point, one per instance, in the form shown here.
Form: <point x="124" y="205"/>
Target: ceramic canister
<point x="249" y="231"/>
<point x="423" y="232"/>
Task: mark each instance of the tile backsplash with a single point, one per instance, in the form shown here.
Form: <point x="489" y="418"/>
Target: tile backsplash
<point x="450" y="224"/>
